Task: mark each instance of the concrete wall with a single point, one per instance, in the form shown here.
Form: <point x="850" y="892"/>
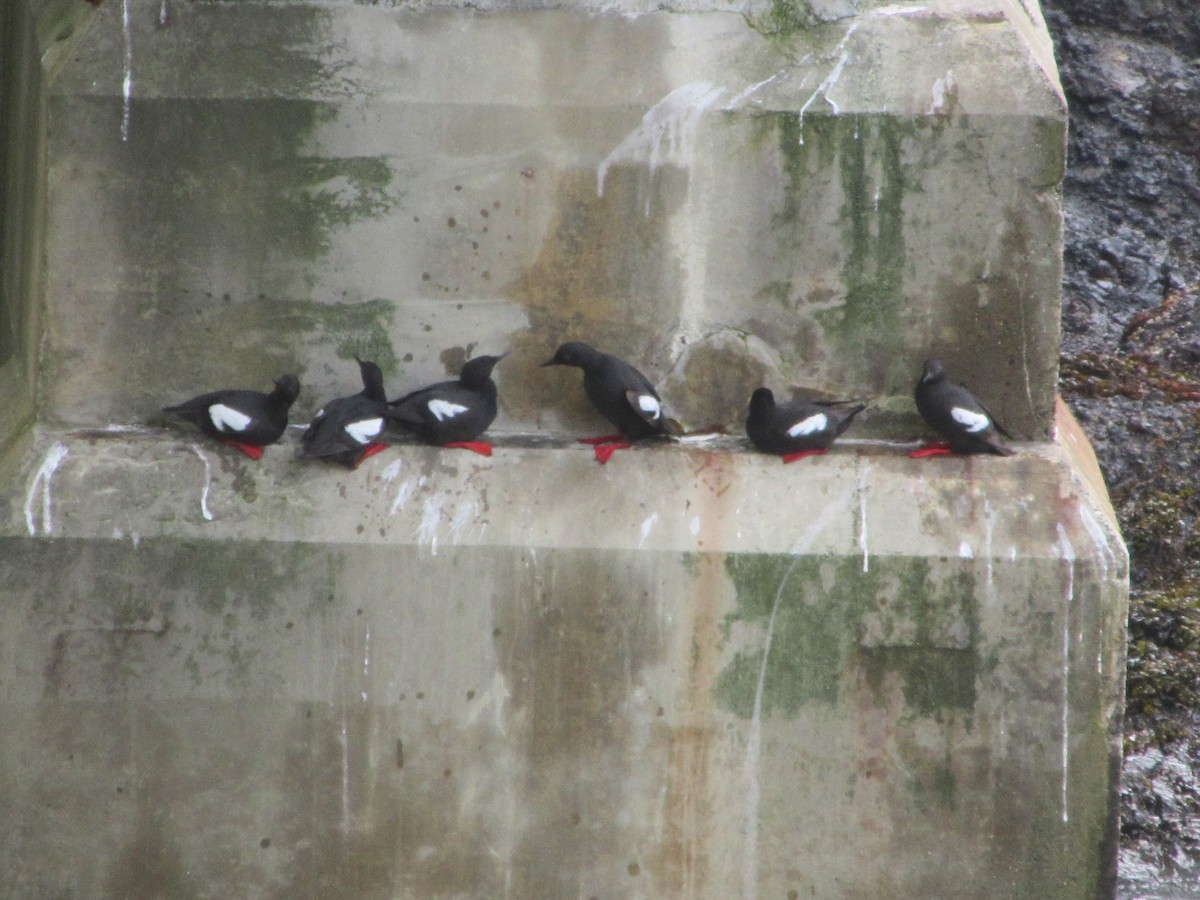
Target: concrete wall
<point x="702" y="675"/>
<point x="720" y="203"/>
<point x="691" y="673"/>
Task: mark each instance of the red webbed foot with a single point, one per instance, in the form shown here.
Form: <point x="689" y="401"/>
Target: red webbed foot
<point x="249" y="449"/>
<point x="483" y="448"/>
<point x="604" y="452"/>
<point x="931" y="450"/>
<point x="802" y="454"/>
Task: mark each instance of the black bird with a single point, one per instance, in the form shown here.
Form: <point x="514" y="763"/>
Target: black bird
<point x="346" y="429"/>
<point x="452" y="413"/>
<point x="621" y="394"/>
<point x="247" y="420"/>
<point x="797" y="429"/>
<point x="954" y="413"/>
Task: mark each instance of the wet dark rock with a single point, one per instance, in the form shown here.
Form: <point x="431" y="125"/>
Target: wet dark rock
<point x="1131" y="372"/>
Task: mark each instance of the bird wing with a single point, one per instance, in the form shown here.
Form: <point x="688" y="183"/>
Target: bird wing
<point x="363" y="430"/>
<point x="444" y="409"/>
<point x="974" y="422"/>
<point x="429" y="405"/>
<point x="226" y="418"/>
<point x="811" y="424"/>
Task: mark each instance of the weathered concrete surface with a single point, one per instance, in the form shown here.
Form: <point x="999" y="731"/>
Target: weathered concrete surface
<point x="443" y="675"/>
<point x="692" y="673"/>
<point x="722" y="200"/>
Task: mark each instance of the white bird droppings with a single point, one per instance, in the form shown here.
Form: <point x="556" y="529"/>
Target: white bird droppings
<point x="54" y="457"/>
<point x="204" y="510"/>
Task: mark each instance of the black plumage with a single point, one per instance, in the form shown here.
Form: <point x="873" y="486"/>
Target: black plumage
<point x="345" y="430"/>
<point x="247" y="420"/>
<point x="620" y="393"/>
<point x="452" y="413"/>
<point x="799" y="428"/>
<point x="957" y="415"/>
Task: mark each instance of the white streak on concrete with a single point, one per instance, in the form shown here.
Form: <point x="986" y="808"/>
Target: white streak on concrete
<point x="943" y="89"/>
<point x="647" y="527"/>
<point x="830" y="80"/>
<point x="694" y="526"/>
<point x="1099" y="536"/>
<point x="127" y="83"/>
<point x="989" y="525"/>
<point x="739" y="99"/>
<point x="392" y="471"/>
<point x="54" y="457"/>
<point x="1067" y="552"/>
<point x="366" y="665"/>
<point x="862" y="517"/>
<point x="754" y="739"/>
<point x="402" y="495"/>
<point x="431" y="515"/>
<point x="899" y="9"/>
<point x="464" y="514"/>
<point x="207" y="482"/>
<point x="965" y="551"/>
<point x="344" y="740"/>
<point x="670" y="121"/>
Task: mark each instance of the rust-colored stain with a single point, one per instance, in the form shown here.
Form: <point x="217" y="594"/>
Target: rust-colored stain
<point x="690" y="805"/>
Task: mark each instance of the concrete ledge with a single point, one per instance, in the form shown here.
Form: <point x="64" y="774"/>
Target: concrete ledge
<point x="656" y="497"/>
<point x="691" y="672"/>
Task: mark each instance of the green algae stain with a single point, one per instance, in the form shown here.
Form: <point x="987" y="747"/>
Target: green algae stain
<point x="833" y="622"/>
<point x="867" y="324"/>
<point x="783" y="19"/>
<point x="860" y="159"/>
<point x="264" y="336"/>
<point x="810" y="639"/>
<point x="315" y="196"/>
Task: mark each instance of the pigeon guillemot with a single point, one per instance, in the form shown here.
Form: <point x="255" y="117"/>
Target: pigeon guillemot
<point x="954" y="413"/>
<point x="345" y="429"/>
<point x="247" y="420"/>
<point x="797" y="429"/>
<point x="452" y="413"/>
<point x="621" y="394"/>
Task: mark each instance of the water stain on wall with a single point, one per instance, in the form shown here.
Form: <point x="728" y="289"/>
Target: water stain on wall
<point x="606" y="274"/>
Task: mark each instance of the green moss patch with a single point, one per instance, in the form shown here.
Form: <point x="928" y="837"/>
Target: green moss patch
<point x="835" y="623"/>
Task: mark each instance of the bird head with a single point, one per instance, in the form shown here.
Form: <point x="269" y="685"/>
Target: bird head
<point x="762" y="400"/>
<point x="287" y="388"/>
<point x="933" y="371"/>
<point x="372" y="379"/>
<point x="478" y="370"/>
<point x="573" y="353"/>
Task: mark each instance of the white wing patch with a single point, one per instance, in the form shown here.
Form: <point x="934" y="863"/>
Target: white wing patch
<point x="969" y="419"/>
<point x="226" y="418"/>
<point x="365" y="429"/>
<point x="649" y="406"/>
<point x="444" y="409"/>
<point x="814" y="424"/>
